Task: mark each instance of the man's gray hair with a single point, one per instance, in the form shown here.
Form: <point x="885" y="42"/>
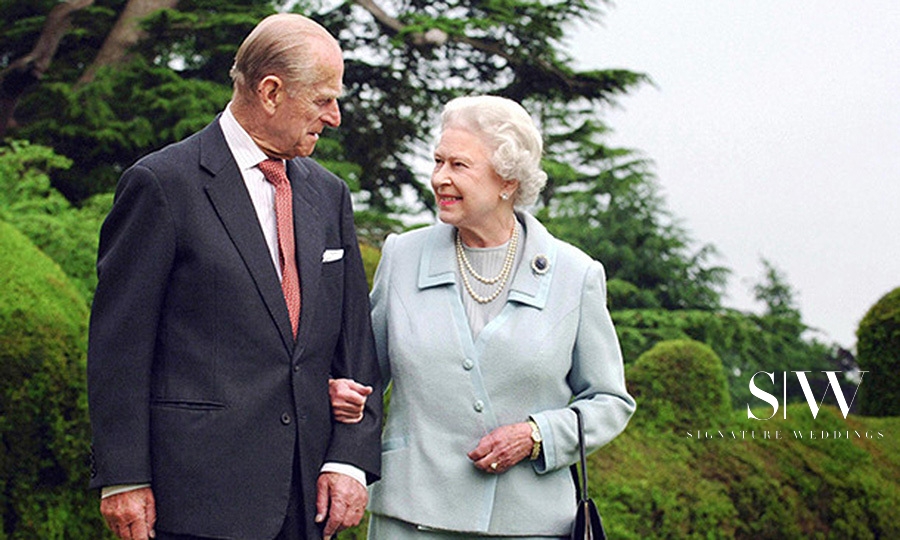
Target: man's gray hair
<point x="510" y="134"/>
<point x="279" y="45"/>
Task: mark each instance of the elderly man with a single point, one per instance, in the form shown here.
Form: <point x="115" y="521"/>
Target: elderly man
<point x="231" y="289"/>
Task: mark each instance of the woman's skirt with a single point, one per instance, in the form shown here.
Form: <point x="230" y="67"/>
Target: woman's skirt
<point x="387" y="528"/>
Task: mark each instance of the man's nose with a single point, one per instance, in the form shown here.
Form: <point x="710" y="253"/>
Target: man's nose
<point x="332" y="116"/>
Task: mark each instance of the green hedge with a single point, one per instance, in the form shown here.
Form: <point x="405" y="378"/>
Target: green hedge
<point x="746" y="343"/>
<point x="753" y="487"/>
<point x="734" y="477"/>
<point x="878" y="352"/>
<point x="677" y="383"/>
<point x="65" y="233"/>
<point x="44" y="429"/>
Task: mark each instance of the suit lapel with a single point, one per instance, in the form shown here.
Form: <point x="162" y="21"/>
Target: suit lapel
<point x="228" y="194"/>
<point x="310" y="238"/>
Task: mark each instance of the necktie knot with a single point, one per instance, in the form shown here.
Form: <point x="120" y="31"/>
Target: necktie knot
<point x="273" y="170"/>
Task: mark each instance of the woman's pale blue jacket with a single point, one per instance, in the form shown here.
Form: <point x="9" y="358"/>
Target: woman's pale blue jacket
<point x="552" y="347"/>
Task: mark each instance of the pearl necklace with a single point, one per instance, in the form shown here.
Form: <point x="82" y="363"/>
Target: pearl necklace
<point x="465" y="268"/>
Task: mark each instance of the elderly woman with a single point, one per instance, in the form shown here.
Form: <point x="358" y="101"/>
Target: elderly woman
<point x="491" y="331"/>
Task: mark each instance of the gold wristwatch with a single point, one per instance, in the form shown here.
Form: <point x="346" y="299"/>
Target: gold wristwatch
<point x="536" y="439"/>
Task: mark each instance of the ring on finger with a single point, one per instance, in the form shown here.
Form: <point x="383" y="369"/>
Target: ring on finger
<point x="494" y="466"/>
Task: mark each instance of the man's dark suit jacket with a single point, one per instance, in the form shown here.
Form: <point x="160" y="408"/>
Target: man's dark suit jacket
<point x="195" y="383"/>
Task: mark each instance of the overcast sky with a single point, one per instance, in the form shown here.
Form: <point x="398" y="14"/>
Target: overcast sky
<point x="774" y="126"/>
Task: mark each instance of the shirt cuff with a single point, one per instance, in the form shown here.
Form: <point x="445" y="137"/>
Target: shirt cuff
<point x="346" y="469"/>
<point x="109" y="491"/>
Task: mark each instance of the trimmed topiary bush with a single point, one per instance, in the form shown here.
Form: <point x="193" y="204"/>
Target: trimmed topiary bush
<point x="680" y="384"/>
<point x="44" y="433"/>
<point x="65" y="233"/>
<point x="878" y="353"/>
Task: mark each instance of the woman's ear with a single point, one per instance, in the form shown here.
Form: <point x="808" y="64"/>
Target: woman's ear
<point x="510" y="186"/>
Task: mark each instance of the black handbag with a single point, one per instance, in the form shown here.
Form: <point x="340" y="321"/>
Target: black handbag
<point x="588" y="525"/>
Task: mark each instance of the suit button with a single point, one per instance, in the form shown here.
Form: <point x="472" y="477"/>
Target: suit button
<point x="478" y="406"/>
<point x="468" y="364"/>
<point x="285" y="419"/>
<point x="297" y="368"/>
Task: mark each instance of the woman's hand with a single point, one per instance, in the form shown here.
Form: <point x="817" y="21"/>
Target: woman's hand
<point x="348" y="399"/>
<point x="502" y="448"/>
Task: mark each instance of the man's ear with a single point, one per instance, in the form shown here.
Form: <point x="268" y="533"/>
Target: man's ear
<point x="270" y="92"/>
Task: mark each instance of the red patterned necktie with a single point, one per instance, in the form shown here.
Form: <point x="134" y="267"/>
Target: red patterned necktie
<point x="273" y="169"/>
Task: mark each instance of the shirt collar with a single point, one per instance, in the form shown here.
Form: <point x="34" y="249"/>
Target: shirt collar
<point x="245" y="151"/>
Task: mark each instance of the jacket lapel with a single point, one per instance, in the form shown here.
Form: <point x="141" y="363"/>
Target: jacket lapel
<point x="310" y="240"/>
<point x="228" y="194"/>
<point x="438" y="263"/>
<point x="531" y="284"/>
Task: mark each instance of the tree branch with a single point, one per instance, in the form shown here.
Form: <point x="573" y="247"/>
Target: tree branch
<point x="26" y="71"/>
<point x="123" y="35"/>
<point x="431" y="38"/>
<point x="436" y="37"/>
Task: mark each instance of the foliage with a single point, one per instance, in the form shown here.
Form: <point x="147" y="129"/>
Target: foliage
<point x="398" y="78"/>
<point x="66" y="234"/>
<point x="878" y="349"/>
<point x="746" y="344"/>
<point x="129" y="110"/>
<point x="108" y="124"/>
<point x="794" y="478"/>
<point x="607" y="203"/>
<point x="677" y="383"/>
<point x="621" y="294"/>
<point x="776" y="293"/>
<point x="398" y="75"/>
<point x="370" y="257"/>
<point x="43" y="407"/>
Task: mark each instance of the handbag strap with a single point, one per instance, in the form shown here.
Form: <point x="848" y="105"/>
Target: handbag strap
<point x="581" y="483"/>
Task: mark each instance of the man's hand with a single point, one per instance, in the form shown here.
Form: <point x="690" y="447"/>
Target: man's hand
<point x="341" y="500"/>
<point x="348" y="399"/>
<point x="131" y="515"/>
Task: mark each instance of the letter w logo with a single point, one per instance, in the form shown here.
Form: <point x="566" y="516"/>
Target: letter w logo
<point x="832" y="383"/>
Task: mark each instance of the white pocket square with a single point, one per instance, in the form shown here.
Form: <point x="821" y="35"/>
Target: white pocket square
<point x="331" y="255"/>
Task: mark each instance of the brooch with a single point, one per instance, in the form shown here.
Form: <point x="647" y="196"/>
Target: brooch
<point x="540" y="265"/>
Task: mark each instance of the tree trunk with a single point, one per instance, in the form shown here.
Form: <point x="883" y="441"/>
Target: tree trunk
<point x="26" y="71"/>
<point x="124" y="35"/>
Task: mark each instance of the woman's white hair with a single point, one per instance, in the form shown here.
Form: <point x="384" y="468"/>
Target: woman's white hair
<point x="510" y="133"/>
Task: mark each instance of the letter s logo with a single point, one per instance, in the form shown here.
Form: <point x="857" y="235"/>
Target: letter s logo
<point x="763" y="395"/>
